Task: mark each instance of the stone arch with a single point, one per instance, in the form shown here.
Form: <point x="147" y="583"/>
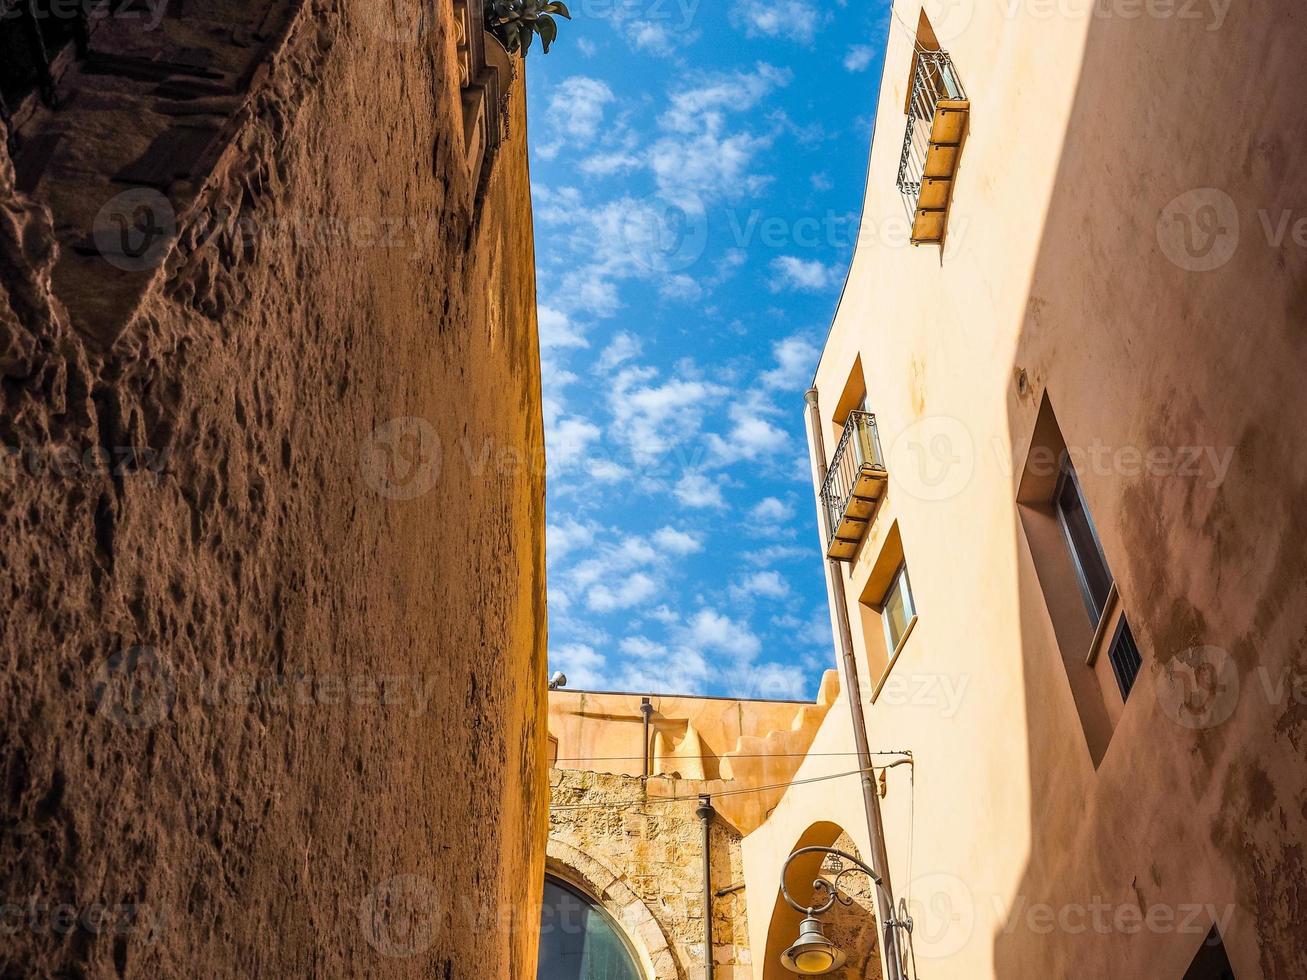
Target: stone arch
<point x="854" y="929"/>
<point x="605" y="885"/>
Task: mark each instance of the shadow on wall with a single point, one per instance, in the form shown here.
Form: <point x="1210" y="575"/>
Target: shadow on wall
<point x="851" y="927"/>
<point x="1163" y="312"/>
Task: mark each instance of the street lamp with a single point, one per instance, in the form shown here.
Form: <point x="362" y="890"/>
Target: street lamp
<point x="812" y="953"/>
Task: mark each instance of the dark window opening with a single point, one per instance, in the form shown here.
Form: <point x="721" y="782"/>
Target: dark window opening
<point x="1092" y="571"/>
<point x="1124" y="657"/>
<point x="1211" y="963"/>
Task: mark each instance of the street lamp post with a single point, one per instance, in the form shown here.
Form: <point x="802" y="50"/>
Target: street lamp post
<point x="812" y="953"/>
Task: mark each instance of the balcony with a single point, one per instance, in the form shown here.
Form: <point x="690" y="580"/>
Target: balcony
<point x="854" y="485"/>
<point x="937" y="120"/>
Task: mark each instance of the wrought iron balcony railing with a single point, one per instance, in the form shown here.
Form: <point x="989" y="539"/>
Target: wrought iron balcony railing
<point x="854" y="484"/>
<point x="937" y="118"/>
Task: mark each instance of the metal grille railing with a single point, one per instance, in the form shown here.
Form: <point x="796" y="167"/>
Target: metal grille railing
<point x="859" y="445"/>
<point x="1124" y="656"/>
<point x="933" y="80"/>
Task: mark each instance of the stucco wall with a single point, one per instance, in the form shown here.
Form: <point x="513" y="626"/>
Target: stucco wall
<point x="273" y="696"/>
<point x="1063" y="263"/>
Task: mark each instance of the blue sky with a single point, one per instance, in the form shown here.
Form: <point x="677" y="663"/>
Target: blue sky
<point x="697" y="172"/>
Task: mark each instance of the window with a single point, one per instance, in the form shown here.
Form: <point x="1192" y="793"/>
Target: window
<point x="887" y="612"/>
<point x="1082" y="540"/>
<point x="1211" y="963"/>
<point x="579" y="940"/>
<point x="1093" y="575"/>
<point x="1124" y="657"/>
<point x="898" y="609"/>
<point x="1097" y="645"/>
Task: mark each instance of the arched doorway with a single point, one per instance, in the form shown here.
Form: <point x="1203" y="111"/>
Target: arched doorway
<point x="579" y="940"/>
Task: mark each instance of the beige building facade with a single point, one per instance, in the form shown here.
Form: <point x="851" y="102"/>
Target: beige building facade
<point x="1058" y="470"/>
<point x="631" y="837"/>
<point x="1067" y="528"/>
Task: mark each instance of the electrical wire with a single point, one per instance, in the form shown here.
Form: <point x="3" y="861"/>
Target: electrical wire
<point x="730" y="755"/>
<point x="697" y="796"/>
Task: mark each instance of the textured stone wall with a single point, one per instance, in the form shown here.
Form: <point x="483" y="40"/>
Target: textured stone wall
<point x="271" y="669"/>
<point x="608" y="840"/>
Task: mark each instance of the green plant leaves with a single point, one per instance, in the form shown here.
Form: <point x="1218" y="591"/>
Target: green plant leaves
<point x="516" y="22"/>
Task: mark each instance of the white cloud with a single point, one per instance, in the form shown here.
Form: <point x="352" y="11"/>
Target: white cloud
<point x="805" y="275"/>
<point x="771" y="510"/>
<point x="629" y="591"/>
<point x="659" y="667"/>
<point x="760" y="585"/>
<point x="698" y="159"/>
<point x="568" y="440"/>
<point x="675" y="542"/>
<point x="646" y="35"/>
<point x="583" y="665"/>
<point x="701" y="106"/>
<point x="576" y="108"/>
<point x="796" y="362"/>
<point x="607" y="470"/>
<point x="796" y="19"/>
<point x="568" y="536"/>
<point x="711" y="630"/>
<point x="680" y="287"/>
<point x="750" y="437"/>
<point x="650" y="419"/>
<point x="859" y="57"/>
<point x="557" y="330"/>
<point x="608" y="162"/>
<point x="699" y="491"/>
<point x="774" y="680"/>
<point x="622" y="347"/>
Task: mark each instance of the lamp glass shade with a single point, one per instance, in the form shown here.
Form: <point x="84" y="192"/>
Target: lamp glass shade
<point x="812" y="953"/>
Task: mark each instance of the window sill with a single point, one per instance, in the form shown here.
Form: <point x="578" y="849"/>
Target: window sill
<point x="1104" y="621"/>
<point x="894" y="658"/>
